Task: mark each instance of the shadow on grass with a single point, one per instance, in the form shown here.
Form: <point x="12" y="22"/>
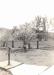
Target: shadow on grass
<point x="4" y="71"/>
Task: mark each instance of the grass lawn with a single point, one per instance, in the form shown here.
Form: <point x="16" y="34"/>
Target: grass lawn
<point x="42" y="56"/>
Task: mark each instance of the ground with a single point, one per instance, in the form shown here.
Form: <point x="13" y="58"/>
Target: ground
<point x="4" y="72"/>
<point x="43" y="56"/>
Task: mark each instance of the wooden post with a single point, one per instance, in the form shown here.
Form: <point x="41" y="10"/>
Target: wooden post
<point x="9" y="56"/>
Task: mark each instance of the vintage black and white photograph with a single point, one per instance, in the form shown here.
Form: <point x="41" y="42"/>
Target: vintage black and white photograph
<point x="26" y="37"/>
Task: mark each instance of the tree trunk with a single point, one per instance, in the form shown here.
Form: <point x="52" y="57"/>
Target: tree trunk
<point x="24" y="46"/>
<point x="12" y="43"/>
<point x="4" y="44"/>
<point x="46" y="37"/>
<point x="29" y="46"/>
<point x="37" y="44"/>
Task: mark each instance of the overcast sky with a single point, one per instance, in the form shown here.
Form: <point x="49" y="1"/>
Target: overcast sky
<point x="16" y="12"/>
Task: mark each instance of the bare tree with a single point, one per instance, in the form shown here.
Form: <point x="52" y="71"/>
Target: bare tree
<point x="40" y="28"/>
<point x="25" y="35"/>
<point x="14" y="32"/>
<point x="44" y="28"/>
<point x="5" y="38"/>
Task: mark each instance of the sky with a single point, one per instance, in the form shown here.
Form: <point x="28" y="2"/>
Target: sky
<point x="17" y="12"/>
